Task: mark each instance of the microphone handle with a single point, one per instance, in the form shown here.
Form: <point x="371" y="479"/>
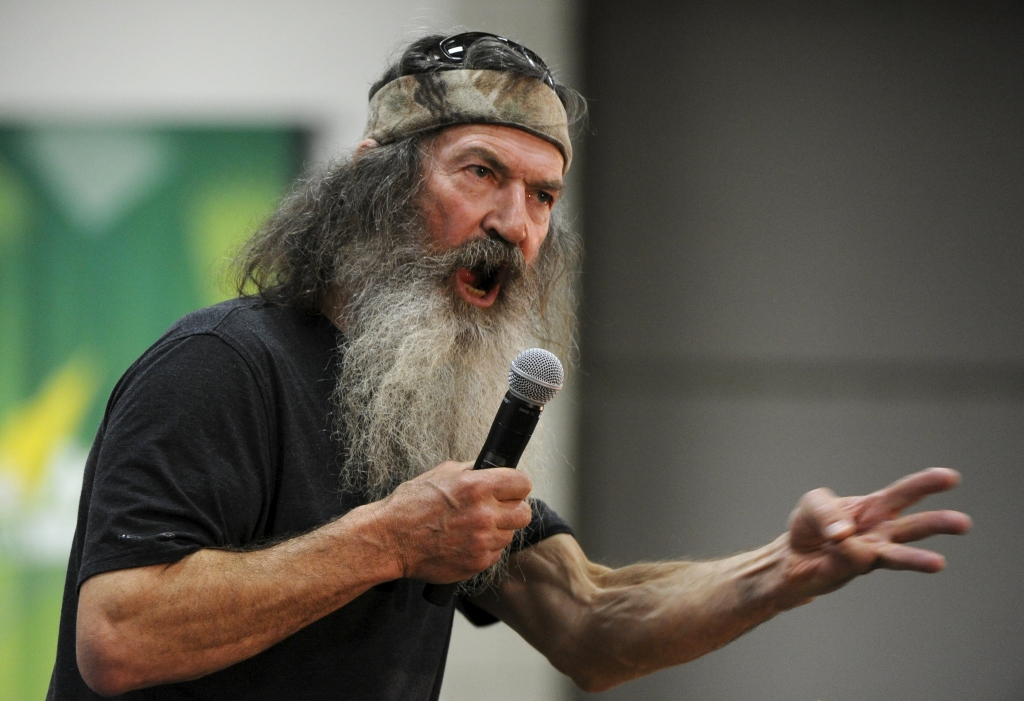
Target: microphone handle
<point x="510" y="432"/>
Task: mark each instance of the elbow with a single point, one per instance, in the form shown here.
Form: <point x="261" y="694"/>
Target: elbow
<point x="103" y="658"/>
<point x="100" y="673"/>
<point x="104" y="684"/>
<point x="593" y="683"/>
<point x="592" y="671"/>
<point x="101" y="669"/>
<point x="594" y="678"/>
<point x="596" y="661"/>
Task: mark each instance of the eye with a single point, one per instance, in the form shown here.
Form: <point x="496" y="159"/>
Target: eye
<point x="480" y="171"/>
<point x="545" y="197"/>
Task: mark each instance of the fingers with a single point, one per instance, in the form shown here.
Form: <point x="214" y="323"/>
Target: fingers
<point x="885" y="547"/>
<point x="832" y="521"/>
<point x="513" y="516"/>
<point x="837" y="539"/>
<point x="506" y="484"/>
<point x="913" y="488"/>
<point x="893" y="556"/>
<point x="819" y="517"/>
<point x="452" y="521"/>
<point x="929" y="523"/>
<point x="492" y="499"/>
<point x="502" y="483"/>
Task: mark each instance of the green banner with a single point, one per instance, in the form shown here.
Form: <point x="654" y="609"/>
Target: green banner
<point x="107" y="236"/>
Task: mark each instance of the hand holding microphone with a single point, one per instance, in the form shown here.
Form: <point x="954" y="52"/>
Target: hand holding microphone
<point x="534" y="378"/>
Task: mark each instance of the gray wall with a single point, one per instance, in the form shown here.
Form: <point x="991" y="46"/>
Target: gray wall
<point x="805" y="238"/>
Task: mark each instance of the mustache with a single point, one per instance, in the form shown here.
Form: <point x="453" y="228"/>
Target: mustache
<point x="484" y="256"/>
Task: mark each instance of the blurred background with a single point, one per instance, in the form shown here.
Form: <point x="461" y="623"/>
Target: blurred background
<point x="803" y="228"/>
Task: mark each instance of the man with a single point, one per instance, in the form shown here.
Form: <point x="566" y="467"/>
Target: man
<point x="271" y="485"/>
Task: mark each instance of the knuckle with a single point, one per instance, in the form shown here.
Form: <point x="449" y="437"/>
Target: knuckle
<point x="481" y="543"/>
<point x="817" y="496"/>
<point x="471" y="486"/>
<point x="479" y="522"/>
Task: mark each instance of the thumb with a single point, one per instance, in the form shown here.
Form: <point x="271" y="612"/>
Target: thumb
<point x="820" y="518"/>
<point x="452" y="466"/>
<point x="446" y="468"/>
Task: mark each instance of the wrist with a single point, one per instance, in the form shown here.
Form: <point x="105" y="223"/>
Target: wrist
<point x="377" y="530"/>
<point x="769" y="584"/>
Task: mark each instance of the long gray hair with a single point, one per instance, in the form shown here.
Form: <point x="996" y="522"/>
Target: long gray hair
<point x="330" y="240"/>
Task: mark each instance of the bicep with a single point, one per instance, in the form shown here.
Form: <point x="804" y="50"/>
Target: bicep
<point x="182" y="462"/>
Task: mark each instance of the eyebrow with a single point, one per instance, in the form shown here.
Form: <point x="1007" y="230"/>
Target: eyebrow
<point x="499" y="167"/>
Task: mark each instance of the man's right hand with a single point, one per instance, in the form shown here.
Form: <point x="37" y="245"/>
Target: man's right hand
<point x="452" y="522"/>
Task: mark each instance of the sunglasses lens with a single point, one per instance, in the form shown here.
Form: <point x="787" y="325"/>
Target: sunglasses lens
<point x="454" y="49"/>
<point x="537" y="59"/>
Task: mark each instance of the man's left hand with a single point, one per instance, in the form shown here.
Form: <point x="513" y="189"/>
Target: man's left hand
<point x="833" y="539"/>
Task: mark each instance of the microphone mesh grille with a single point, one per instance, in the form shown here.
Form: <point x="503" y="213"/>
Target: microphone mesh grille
<point x="536" y="375"/>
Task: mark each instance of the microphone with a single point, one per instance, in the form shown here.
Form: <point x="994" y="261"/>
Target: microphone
<point x="534" y="378"/>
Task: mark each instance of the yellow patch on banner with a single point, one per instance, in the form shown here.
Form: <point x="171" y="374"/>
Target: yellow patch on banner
<point x="222" y="219"/>
<point x="31" y="433"/>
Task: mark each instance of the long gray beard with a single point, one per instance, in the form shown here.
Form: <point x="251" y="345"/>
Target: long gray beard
<point x="418" y="386"/>
<point x="423" y="373"/>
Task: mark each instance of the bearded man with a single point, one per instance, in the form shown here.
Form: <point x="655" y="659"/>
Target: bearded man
<point x="273" y="482"/>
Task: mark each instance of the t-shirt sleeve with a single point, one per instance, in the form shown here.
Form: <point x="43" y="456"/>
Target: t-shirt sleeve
<point x="184" y="460"/>
<point x="543" y="524"/>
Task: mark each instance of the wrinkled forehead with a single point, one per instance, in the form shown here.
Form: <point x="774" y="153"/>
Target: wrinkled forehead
<point x="508" y="151"/>
<point x="418" y="103"/>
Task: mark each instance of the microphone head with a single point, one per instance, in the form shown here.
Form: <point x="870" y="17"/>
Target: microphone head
<point x="535" y="376"/>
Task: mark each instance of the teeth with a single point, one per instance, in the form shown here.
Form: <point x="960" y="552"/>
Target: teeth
<point x="474" y="291"/>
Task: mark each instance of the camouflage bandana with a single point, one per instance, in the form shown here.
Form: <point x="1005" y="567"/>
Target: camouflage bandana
<point x="417" y="103"/>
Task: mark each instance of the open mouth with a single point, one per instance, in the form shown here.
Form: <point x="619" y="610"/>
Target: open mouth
<point x="479" y="285"/>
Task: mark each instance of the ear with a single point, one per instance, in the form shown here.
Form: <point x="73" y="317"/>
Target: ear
<point x="364" y="145"/>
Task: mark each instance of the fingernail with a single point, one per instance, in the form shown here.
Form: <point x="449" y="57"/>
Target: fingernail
<point x="834" y="530"/>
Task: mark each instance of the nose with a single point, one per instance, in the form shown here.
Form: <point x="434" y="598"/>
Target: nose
<point x="508" y="217"/>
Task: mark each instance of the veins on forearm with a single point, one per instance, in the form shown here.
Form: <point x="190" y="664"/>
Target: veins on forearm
<point x="656" y="615"/>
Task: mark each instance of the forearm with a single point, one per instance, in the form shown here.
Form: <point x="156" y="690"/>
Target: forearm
<point x="180" y="621"/>
<point x="648" y="617"/>
<point x="603" y="627"/>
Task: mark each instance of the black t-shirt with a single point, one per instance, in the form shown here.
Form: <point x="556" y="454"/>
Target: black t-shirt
<point x="219" y="436"/>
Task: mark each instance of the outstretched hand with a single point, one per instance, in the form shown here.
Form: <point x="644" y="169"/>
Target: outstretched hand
<point x="834" y="539"/>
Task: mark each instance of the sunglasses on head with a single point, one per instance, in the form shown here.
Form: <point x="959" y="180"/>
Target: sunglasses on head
<point x="453" y="50"/>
